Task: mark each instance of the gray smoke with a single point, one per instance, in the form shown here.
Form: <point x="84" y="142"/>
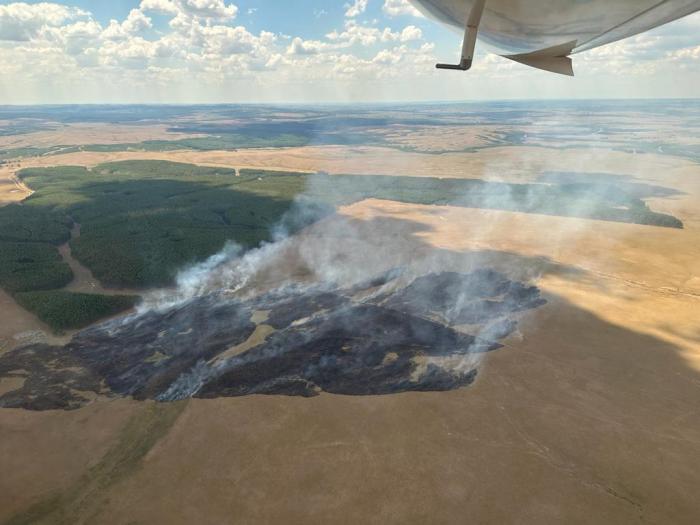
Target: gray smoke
<point x="337" y="251"/>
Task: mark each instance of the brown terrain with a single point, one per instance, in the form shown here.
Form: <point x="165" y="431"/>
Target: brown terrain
<point x="99" y="133"/>
<point x="588" y="415"/>
<point x="431" y="139"/>
<point x="11" y="188"/>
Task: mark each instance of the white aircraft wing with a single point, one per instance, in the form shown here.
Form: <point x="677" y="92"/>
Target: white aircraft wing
<point x="543" y="33"/>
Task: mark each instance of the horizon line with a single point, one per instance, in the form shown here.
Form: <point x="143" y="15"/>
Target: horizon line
<point x="351" y="103"/>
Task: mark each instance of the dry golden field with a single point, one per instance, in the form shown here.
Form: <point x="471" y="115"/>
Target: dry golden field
<point x="588" y="415"/>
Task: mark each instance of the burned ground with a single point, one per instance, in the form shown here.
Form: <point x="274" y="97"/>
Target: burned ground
<point x="394" y="333"/>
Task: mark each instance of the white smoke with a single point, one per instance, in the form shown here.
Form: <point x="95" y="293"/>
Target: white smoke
<point x="341" y="250"/>
<point x="228" y="271"/>
<point x="338" y="251"/>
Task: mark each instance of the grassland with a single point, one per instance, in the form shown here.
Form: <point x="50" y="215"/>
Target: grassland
<point x="142" y="221"/>
<point x="146" y="427"/>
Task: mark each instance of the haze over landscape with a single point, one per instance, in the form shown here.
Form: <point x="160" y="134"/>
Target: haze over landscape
<point x="229" y="296"/>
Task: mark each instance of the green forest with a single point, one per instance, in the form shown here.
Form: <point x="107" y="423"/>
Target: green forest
<point x="142" y="221"/>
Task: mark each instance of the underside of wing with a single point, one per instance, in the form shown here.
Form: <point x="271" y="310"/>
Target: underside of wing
<point x="544" y="33"/>
<point x="659" y="14"/>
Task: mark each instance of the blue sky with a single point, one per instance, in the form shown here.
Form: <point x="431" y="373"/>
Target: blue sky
<point x="298" y="51"/>
<point x="305" y="18"/>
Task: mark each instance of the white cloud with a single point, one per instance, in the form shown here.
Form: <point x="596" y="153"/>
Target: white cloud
<point x="355" y="33"/>
<point x="356" y="9"/>
<point x="208" y="9"/>
<point x="212" y="9"/>
<point x="689" y="53"/>
<point x="21" y="22"/>
<point x="226" y="41"/>
<point x="300" y="46"/>
<point x="201" y="48"/>
<point x="135" y="23"/>
<point x="159" y="6"/>
<point x="400" y="7"/>
<point x="658" y="52"/>
<point x="410" y="33"/>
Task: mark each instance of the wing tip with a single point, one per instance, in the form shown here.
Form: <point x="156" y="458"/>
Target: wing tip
<point x="554" y="59"/>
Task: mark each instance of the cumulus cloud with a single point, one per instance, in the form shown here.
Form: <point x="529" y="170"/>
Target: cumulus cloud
<point x="159" y="6"/>
<point x="208" y="9"/>
<point x="135" y="23"/>
<point x="410" y="33"/>
<point x="201" y="43"/>
<point x="300" y="46"/>
<point x="400" y="7"/>
<point x="225" y="40"/>
<point x="689" y="53"/>
<point x="356" y="8"/>
<point x="213" y="9"/>
<point x="355" y="33"/>
<point x="649" y="53"/>
<point x="21" y="22"/>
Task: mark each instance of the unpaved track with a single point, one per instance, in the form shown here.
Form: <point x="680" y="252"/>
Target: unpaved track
<point x="83" y="280"/>
<point x="11" y="188"/>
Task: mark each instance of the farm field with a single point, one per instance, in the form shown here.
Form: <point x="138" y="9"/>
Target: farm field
<point x="163" y="308"/>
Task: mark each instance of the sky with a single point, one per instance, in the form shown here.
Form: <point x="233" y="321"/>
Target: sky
<point x="299" y="51"/>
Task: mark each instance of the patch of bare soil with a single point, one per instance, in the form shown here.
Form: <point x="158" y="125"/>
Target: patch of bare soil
<point x="11" y="188"/>
<point x="19" y="327"/>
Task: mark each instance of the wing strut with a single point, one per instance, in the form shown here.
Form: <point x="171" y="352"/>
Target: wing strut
<point x="470" y="32"/>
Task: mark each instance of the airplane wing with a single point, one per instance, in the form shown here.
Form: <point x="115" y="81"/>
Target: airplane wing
<point x="544" y="33"/>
